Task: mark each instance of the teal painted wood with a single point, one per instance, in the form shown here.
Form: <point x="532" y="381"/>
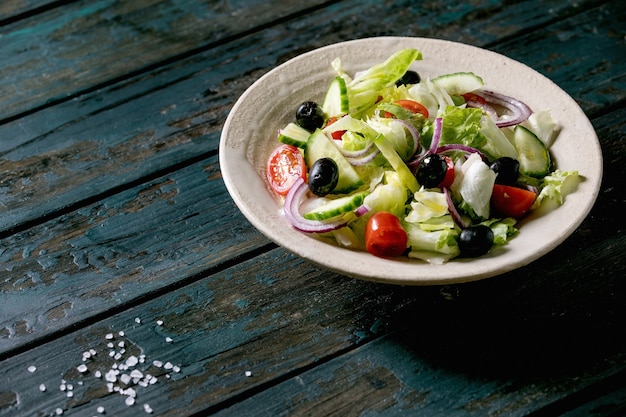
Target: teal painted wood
<point x="393" y="377"/>
<point x="119" y="249"/>
<point x="174" y="114"/>
<point x="11" y="10"/>
<point x="311" y="344"/>
<point x="52" y="56"/>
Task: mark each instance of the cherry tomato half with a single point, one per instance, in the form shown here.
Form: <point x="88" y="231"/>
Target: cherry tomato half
<point x="474" y="97"/>
<point x="384" y="235"/>
<point x="413" y="107"/>
<point x="337" y="134"/>
<point x="284" y="166"/>
<point x="449" y="178"/>
<point x="511" y="201"/>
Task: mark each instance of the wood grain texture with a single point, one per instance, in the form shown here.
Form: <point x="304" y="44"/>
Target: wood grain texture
<point x="175" y="113"/>
<point x="115" y="219"/>
<point x="118" y="249"/>
<point x="60" y="53"/>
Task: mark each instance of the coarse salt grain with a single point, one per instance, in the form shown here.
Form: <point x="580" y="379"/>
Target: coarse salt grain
<point x="159" y="322"/>
<point x="59" y="411"/>
<point x="130" y="401"/>
<point x="82" y="368"/>
<point x="125" y="378"/>
<point x="248" y="373"/>
<point x="109" y="336"/>
<point x="32" y="368"/>
<point x="42" y="387"/>
<point x="147" y="408"/>
<point x="158" y="364"/>
<point x="100" y="410"/>
<point x="137" y="320"/>
<point x="132" y="361"/>
<point x="121" y="333"/>
<point x="136" y="374"/>
<point x="168" y="339"/>
<point x="168" y="365"/>
<point x="98" y="374"/>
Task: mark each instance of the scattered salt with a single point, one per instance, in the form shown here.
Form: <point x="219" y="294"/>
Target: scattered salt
<point x="121" y="344"/>
<point x="168" y="339"/>
<point x="32" y="368"/>
<point x="158" y="364"/>
<point x="137" y="320"/>
<point x="130" y="401"/>
<point x="121" y="333"/>
<point x="82" y="368"/>
<point x="248" y="373"/>
<point x="59" y="411"/>
<point x="109" y="336"/>
<point x="98" y="374"/>
<point x="168" y="365"/>
<point x="159" y="322"/>
<point x="42" y="388"/>
<point x="136" y="374"/>
<point x="100" y="410"/>
<point x="125" y="378"/>
<point x="147" y="408"/>
<point x="132" y="361"/>
<point x="70" y="394"/>
<point x="63" y="387"/>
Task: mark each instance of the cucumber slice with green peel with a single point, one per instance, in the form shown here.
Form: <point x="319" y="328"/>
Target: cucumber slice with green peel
<point x="534" y="157"/>
<point x="459" y="83"/>
<point x="336" y="101"/>
<point x="292" y="134"/>
<point x="321" y="146"/>
<point x="396" y="162"/>
<point x="337" y="207"/>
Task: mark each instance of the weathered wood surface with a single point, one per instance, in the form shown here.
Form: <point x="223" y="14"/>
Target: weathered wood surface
<point x="172" y="114"/>
<point x="115" y="217"/>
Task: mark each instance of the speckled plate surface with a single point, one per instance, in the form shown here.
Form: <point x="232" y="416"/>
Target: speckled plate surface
<point x="249" y="136"/>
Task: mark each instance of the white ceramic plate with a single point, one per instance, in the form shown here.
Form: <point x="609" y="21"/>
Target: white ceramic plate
<point x="249" y="136"/>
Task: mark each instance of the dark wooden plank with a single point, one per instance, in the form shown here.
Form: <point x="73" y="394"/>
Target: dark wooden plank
<point x="156" y="235"/>
<point x="175" y="113"/>
<point x="255" y="339"/>
<point x="11" y="10"/>
<point x="118" y="249"/>
<point x="51" y="56"/>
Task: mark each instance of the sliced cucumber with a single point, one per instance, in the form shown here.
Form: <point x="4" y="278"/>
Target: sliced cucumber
<point x="534" y="158"/>
<point x="292" y="134"/>
<point x="321" y="146"/>
<point x="459" y="83"/>
<point x="336" y="100"/>
<point x="337" y="207"/>
<point x="405" y="174"/>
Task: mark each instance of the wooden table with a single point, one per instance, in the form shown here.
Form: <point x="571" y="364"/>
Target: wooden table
<point x="131" y="283"/>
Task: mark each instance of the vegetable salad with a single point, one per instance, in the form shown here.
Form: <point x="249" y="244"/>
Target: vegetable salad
<point x="399" y="165"/>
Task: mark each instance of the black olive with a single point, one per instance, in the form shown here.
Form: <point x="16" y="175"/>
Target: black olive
<point x="475" y="240"/>
<point x="507" y="170"/>
<point x="431" y="171"/>
<point x="323" y="176"/>
<point x="409" y="77"/>
<point x="309" y="115"/>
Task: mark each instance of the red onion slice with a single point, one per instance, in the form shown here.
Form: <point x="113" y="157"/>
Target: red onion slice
<point x="357" y="153"/>
<point x="415" y="134"/>
<point x="291" y="209"/>
<point x="363" y="159"/>
<point x="436" y="135"/>
<point x="453" y="211"/>
<point x="459" y="147"/>
<point x="520" y="111"/>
